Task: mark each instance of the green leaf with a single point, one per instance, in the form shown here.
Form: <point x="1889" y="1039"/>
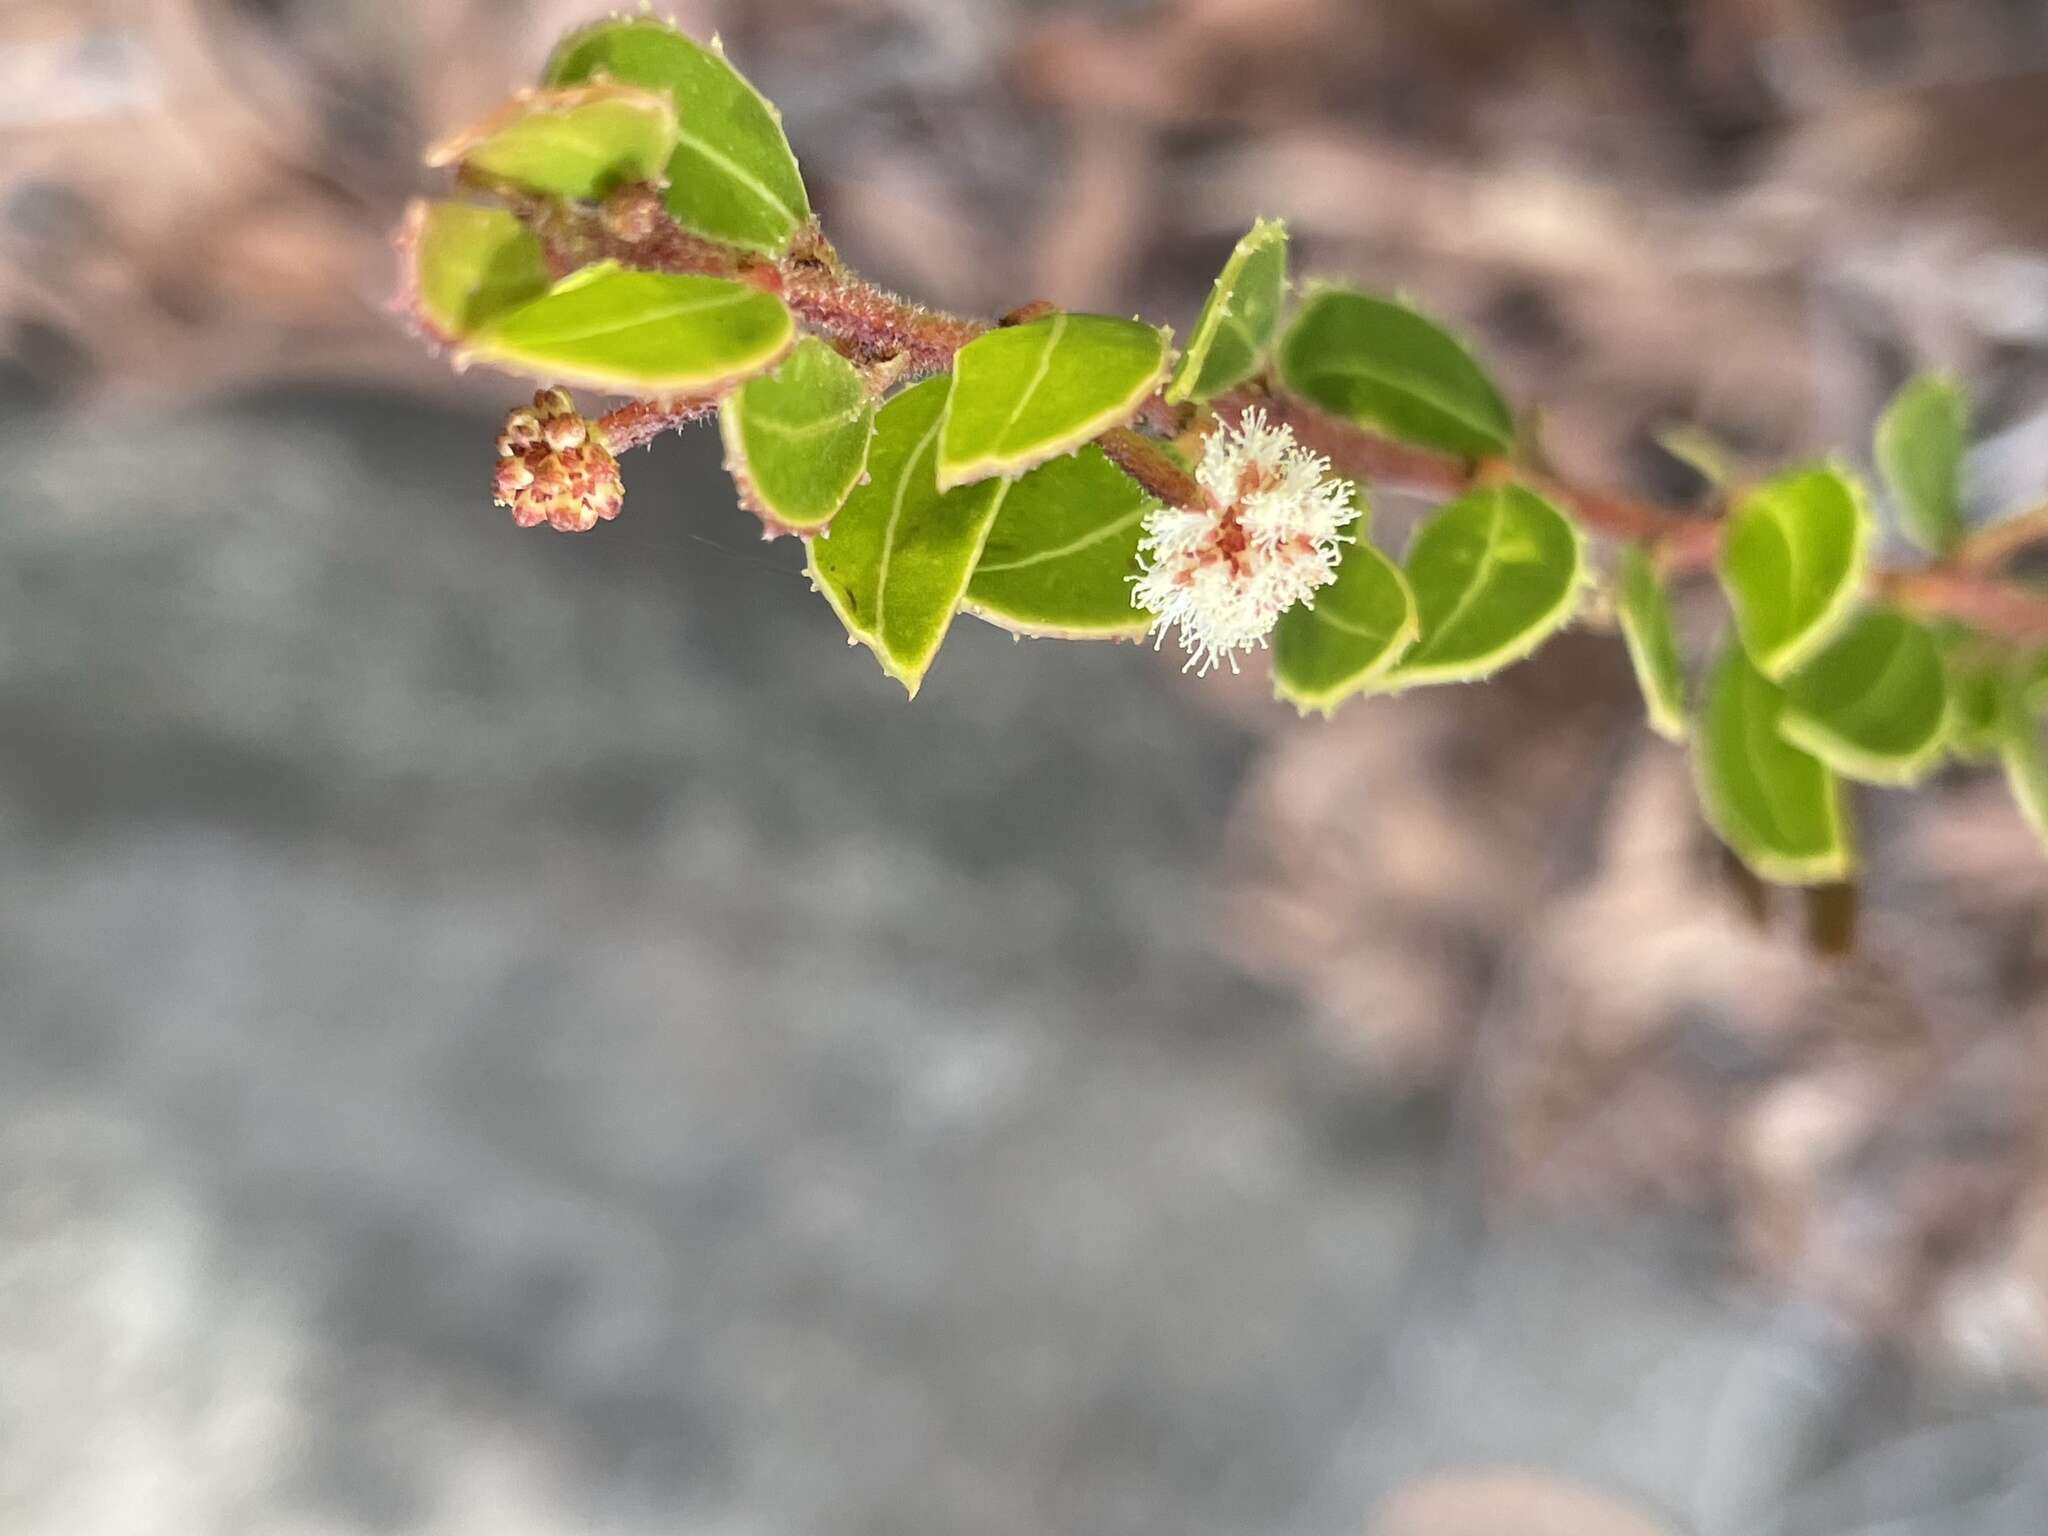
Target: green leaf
<point x="1873" y="705"/>
<point x="2033" y="676"/>
<point x="897" y="558"/>
<point x="465" y="266"/>
<point x="1644" y="608"/>
<point x="796" y="440"/>
<point x="640" y="332"/>
<point x="1792" y="560"/>
<point x="2026" y="768"/>
<point x="1976" y="693"/>
<point x="1027" y="393"/>
<point x="1060" y="558"/>
<point x="1356" y="628"/>
<point x="1238" y="320"/>
<point x="578" y="143"/>
<point x="732" y="177"/>
<point x="1777" y="807"/>
<point x="1985" y="685"/>
<point x="1920" y="441"/>
<point x="1699" y="451"/>
<point x="1380" y="364"/>
<point x="1495" y="574"/>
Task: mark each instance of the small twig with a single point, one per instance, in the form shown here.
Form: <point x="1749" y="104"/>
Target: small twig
<point x="641" y="421"/>
<point x="1691" y="548"/>
<point x="810" y="278"/>
<point x="876" y="321"/>
<point x="1987" y="603"/>
<point x="1146" y="461"/>
<point x="1366" y="456"/>
<point x="1989" y="548"/>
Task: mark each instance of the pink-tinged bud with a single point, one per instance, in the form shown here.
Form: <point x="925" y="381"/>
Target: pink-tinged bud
<point x="565" y="432"/>
<point x="553" y="469"/>
<point x="522" y="430"/>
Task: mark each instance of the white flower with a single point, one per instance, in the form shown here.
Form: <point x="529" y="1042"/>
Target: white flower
<point x="1267" y="537"/>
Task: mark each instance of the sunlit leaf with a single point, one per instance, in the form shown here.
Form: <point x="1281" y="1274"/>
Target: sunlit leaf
<point x="1976" y="681"/>
<point x="1779" y="808"/>
<point x="2032" y="671"/>
<point x="896" y="560"/>
<point x="1873" y="705"/>
<point x="1023" y="394"/>
<point x="732" y="176"/>
<point x="1495" y="574"/>
<point x="1358" y="627"/>
<point x="2026" y="767"/>
<point x="1380" y="364"/>
<point x="581" y="142"/>
<point x="796" y="440"/>
<point x="640" y="332"/>
<point x="1699" y="451"/>
<point x="1060" y="558"/>
<point x="1238" y="320"/>
<point x="465" y="266"/>
<point x="1793" y="560"/>
<point x="1920" y="442"/>
<point x="1644" y="608"/>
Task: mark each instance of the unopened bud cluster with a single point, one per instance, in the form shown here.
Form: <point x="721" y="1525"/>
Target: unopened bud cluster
<point x="553" y="469"/>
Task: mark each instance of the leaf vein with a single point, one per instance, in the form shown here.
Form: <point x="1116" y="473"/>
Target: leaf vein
<point x="613" y="327"/>
<point x="1480" y="574"/>
<point x="888" y="555"/>
<point x="1087" y="540"/>
<point x="1408" y="384"/>
<point x="1053" y="333"/>
<point x="741" y="174"/>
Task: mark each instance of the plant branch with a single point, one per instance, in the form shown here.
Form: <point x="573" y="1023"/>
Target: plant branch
<point x="633" y="228"/>
<point x="1991" y="547"/>
<point x="1995" y="607"/>
<point x="1685" y="544"/>
<point x="874" y="326"/>
<point x="1363" y="455"/>
<point x="641" y="421"/>
<point x="1146" y="461"/>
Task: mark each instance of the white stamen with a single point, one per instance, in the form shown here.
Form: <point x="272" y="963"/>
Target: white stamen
<point x="1223" y="574"/>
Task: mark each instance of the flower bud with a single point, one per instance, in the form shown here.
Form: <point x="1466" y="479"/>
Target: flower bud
<point x="553" y="469"/>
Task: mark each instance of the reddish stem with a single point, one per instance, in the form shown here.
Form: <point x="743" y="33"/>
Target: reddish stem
<point x="810" y="278"/>
<point x="1985" y="603"/>
<point x="1146" y="461"/>
<point x="641" y="421"/>
<point x="1361" y="455"/>
<point x="1993" y="546"/>
<point x="877" y="323"/>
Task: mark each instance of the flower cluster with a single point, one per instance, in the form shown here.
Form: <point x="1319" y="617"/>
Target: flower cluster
<point x="553" y="469"/>
<point x="1268" y="536"/>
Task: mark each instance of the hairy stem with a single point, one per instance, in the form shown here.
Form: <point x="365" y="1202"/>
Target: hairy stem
<point x="633" y="229"/>
<point x="641" y="421"/>
<point x="1146" y="461"/>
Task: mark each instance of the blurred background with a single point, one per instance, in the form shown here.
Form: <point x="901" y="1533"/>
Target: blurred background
<point x="503" y="1033"/>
